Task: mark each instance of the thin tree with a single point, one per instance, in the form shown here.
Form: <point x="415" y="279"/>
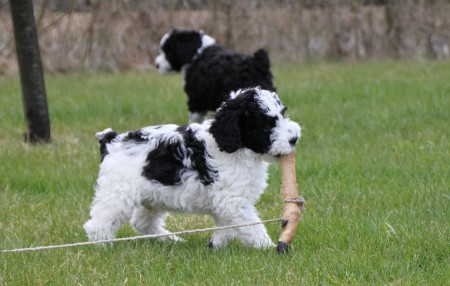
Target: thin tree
<point x="31" y="73"/>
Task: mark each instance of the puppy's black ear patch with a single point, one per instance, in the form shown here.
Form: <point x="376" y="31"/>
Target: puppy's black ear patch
<point x="225" y="127"/>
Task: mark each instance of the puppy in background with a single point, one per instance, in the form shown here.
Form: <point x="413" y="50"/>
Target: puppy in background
<point x="211" y="72"/>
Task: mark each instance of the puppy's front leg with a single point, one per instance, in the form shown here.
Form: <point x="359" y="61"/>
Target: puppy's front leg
<point x="220" y="238"/>
<point x="255" y="235"/>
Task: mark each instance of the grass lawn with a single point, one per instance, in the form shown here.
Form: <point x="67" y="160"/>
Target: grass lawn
<point x="373" y="166"/>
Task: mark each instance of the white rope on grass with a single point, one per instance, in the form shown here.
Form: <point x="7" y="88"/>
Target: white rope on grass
<point x="135" y="237"/>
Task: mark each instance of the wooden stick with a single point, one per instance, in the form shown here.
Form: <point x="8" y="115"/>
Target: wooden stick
<point x="292" y="203"/>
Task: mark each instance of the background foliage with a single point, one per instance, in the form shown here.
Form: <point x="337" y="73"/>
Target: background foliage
<point x="76" y="35"/>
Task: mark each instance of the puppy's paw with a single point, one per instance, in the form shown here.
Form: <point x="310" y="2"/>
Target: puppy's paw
<point x="266" y="244"/>
<point x="173" y="238"/>
<point x="216" y="243"/>
<point x="96" y="232"/>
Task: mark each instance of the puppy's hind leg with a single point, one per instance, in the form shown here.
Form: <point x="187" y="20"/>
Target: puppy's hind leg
<point x="150" y="221"/>
<point x="108" y="213"/>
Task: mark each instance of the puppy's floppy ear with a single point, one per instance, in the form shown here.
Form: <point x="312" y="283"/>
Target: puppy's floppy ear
<point x="225" y="127"/>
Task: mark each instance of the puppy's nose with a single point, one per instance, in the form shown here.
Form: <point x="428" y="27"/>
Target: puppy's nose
<point x="157" y="66"/>
<point x="293" y="141"/>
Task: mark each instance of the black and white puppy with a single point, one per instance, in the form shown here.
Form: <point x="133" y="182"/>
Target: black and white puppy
<point x="211" y="72"/>
<point x="218" y="168"/>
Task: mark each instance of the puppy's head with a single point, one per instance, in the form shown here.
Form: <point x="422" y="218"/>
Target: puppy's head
<point x="255" y="119"/>
<point x="178" y="48"/>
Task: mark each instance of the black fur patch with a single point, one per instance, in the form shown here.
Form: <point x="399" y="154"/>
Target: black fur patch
<point x="165" y="163"/>
<point x="135" y="136"/>
<point x="197" y="154"/>
<point x="107" y="138"/>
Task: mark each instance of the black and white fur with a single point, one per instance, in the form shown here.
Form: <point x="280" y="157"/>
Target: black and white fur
<point x="218" y="168"/>
<point x="211" y="72"/>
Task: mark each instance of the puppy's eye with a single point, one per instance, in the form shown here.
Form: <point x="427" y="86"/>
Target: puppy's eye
<point x="283" y="110"/>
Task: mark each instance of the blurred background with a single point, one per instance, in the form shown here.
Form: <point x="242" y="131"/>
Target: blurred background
<point x="124" y="35"/>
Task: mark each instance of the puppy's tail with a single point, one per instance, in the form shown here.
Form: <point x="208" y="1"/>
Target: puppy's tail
<point x="262" y="59"/>
<point x="105" y="137"/>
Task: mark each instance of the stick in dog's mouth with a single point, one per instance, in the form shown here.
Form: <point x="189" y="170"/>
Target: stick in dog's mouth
<point x="293" y="204"/>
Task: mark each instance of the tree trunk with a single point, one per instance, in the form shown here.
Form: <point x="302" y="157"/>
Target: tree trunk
<point x="31" y="73"/>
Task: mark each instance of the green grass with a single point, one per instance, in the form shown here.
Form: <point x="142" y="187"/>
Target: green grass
<point x="373" y="165"/>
